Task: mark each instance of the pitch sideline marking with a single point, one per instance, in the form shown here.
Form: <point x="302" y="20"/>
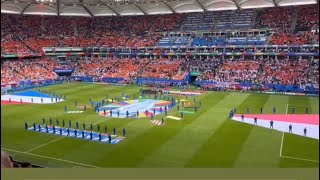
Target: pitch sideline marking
<point x="301" y="159"/>
<point x="47" y="157"/>
<point x="45" y="144"/>
<point x="287" y="108"/>
<point x="281" y="143"/>
<point x="55" y="140"/>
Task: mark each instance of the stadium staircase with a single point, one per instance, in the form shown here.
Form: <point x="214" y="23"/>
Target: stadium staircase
<point x="294" y="19"/>
<point x="151" y="28"/>
<point x="75" y="28"/>
<point x="254" y="18"/>
<point x="43" y="27"/>
<point x="142" y="68"/>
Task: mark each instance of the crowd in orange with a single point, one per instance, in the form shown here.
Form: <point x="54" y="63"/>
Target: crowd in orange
<point x="13" y="71"/>
<point x="264" y="70"/>
<point x="35" y="32"/>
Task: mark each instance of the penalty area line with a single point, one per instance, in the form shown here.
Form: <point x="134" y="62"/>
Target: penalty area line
<point x="301" y="159"/>
<point x="52" y="158"/>
<point x="281" y="143"/>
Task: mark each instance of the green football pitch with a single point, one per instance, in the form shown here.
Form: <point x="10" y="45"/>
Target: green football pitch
<point x="206" y="138"/>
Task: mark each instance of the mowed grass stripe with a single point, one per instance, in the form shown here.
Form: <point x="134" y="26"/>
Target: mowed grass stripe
<point x="134" y="151"/>
<point x="314" y="104"/>
<point x="261" y="149"/>
<point x="278" y="101"/>
<point x="181" y="148"/>
<point x="228" y="139"/>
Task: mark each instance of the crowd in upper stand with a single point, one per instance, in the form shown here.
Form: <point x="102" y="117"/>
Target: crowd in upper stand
<point x="34" y="32"/>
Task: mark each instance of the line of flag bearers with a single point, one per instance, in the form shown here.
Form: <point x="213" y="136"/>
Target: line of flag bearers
<point x="255" y="119"/>
<point x="76" y="131"/>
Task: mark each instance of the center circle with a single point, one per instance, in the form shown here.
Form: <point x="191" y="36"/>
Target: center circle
<point x="137" y="108"/>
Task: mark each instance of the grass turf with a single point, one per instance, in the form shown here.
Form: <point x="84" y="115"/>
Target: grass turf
<point x="203" y="139"/>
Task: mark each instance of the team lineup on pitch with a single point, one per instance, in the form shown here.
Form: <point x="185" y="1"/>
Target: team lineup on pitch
<point x="169" y="121"/>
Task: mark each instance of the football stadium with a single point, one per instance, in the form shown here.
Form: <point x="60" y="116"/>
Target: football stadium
<point x="160" y="83"/>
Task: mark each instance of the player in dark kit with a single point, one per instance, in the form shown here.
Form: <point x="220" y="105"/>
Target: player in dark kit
<point x="91" y="127"/>
<point x="65" y="108"/>
<point x="50" y="121"/>
<point x="57" y="122"/>
<point x="109" y="138"/>
<point x="68" y="132"/>
<point x="307" y="110"/>
<point x="54" y="129"/>
<point x="261" y="111"/>
<point x="178" y="107"/>
<point x="43" y="121"/>
<point x="305" y="131"/>
<point x="60" y="131"/>
<point x="82" y="134"/>
<point x="234" y="110"/>
<point x="98" y="127"/>
<point x="39" y="128"/>
<point x="255" y="120"/>
<point x="271" y="124"/>
<point x="195" y="108"/>
<point x="26" y="125"/>
<point x="123" y="132"/>
<point x="111" y="113"/>
<point x="75" y="133"/>
<point x="127" y="113"/>
<point x="114" y="131"/>
<point x="100" y="137"/>
<point x="63" y="123"/>
<point x="77" y="125"/>
<point x="69" y="124"/>
<point x="137" y="113"/>
<point x="292" y="110"/>
<point x="47" y="129"/>
<point x="181" y="114"/>
<point x="162" y="121"/>
<point x="83" y="126"/>
<point x="248" y="110"/>
<point x="290" y="128"/>
<point x="274" y="110"/>
<point x="231" y="114"/>
<point x="242" y="117"/>
<point x="118" y="113"/>
<point x="91" y="135"/>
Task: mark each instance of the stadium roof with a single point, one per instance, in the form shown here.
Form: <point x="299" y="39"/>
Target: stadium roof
<point x="134" y="7"/>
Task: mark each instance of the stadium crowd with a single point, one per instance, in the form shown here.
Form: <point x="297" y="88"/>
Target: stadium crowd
<point x="36" y="32"/>
<point x="293" y="71"/>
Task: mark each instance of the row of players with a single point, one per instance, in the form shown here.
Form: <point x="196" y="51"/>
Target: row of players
<point x="54" y="128"/>
<point x="233" y="111"/>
